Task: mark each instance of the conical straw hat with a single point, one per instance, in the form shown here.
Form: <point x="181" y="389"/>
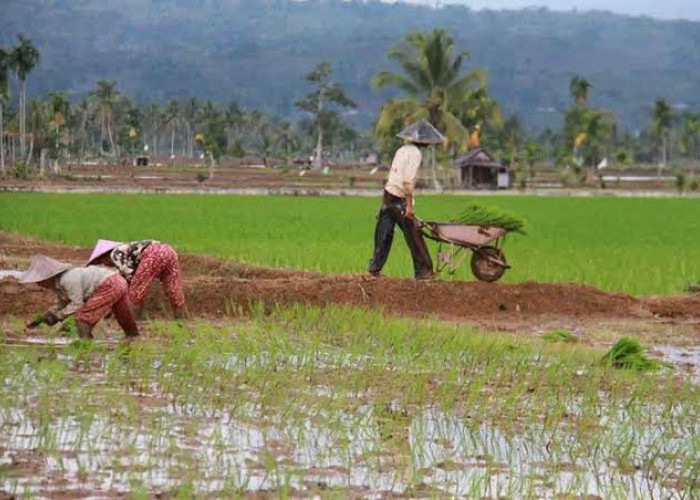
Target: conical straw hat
<point x="101" y="248"/>
<point x="43" y="268"/>
<point x="422" y="132"/>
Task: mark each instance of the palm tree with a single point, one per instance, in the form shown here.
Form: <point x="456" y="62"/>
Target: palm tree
<point x="4" y="97"/>
<point x="38" y="130"/>
<point x="154" y="117"/>
<point x="690" y="142"/>
<point x="533" y="152"/>
<point x="173" y="116"/>
<point x="106" y="97"/>
<point x="435" y="88"/>
<point x="58" y="113"/>
<point x="23" y="58"/>
<point x="579" y="87"/>
<point x="663" y="121"/>
<point x="319" y="101"/>
<point x="190" y="109"/>
<point x="233" y="116"/>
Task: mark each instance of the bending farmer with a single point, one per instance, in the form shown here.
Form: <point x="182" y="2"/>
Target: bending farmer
<point x="88" y="293"/>
<point x="397" y="202"/>
<point x="141" y="262"/>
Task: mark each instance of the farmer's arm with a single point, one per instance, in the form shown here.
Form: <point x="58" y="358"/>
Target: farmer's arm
<point x="50" y="317"/>
<point x="71" y="298"/>
<point x="409" y="182"/>
<point x="409" y="205"/>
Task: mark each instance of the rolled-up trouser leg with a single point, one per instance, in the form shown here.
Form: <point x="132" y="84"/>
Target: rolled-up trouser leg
<point x="96" y="307"/>
<point x="422" y="263"/>
<point x="383" y="237"/>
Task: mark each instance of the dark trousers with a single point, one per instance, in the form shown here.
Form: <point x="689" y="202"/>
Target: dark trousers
<point x="390" y="214"/>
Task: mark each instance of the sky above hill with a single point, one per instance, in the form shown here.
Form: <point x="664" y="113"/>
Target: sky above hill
<point x="666" y="9"/>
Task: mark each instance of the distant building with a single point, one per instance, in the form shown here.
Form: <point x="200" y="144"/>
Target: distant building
<point x="480" y="170"/>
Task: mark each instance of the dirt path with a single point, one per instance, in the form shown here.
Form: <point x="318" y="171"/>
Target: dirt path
<point x="216" y="288"/>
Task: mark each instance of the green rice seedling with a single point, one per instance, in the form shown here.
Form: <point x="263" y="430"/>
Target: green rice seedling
<point x="479" y="215"/>
<point x="559" y="336"/>
<point x="629" y="354"/>
<point x="611" y="243"/>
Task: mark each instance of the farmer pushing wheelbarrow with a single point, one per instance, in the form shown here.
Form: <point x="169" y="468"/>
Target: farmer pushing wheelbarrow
<point x="397" y="202"/>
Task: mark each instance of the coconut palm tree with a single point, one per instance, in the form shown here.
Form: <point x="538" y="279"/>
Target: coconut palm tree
<point x="190" y="110"/>
<point x="58" y="111"/>
<point x="106" y="96"/>
<point x="320" y="102"/>
<point x="690" y="141"/>
<point x="434" y="87"/>
<point x="173" y="117"/>
<point x="579" y="87"/>
<point x="23" y="58"/>
<point x="663" y="121"/>
<point x="4" y="97"/>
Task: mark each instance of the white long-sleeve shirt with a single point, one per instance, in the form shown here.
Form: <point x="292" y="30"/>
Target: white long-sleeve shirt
<point x="404" y="171"/>
<point x="76" y="285"/>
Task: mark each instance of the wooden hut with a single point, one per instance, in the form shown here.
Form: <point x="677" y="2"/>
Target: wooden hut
<point x="480" y="170"/>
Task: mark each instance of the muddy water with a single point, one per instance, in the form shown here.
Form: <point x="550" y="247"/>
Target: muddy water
<point x="686" y="360"/>
<point x="373" y="450"/>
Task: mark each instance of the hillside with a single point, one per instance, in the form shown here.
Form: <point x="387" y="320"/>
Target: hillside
<point x="259" y="51"/>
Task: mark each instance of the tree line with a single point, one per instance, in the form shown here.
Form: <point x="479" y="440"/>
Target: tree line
<point x="431" y="80"/>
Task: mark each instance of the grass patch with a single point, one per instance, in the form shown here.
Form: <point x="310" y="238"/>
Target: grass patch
<point x="559" y="336"/>
<point x="612" y="243"/>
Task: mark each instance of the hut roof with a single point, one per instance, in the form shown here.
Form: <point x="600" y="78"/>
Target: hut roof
<point x="478" y="157"/>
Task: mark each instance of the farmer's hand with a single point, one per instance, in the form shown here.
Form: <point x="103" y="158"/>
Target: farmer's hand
<point x="38" y="320"/>
<point x="409" y="212"/>
<point x="50" y="319"/>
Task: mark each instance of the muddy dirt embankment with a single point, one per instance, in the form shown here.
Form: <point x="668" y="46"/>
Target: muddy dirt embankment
<point x="216" y="287"/>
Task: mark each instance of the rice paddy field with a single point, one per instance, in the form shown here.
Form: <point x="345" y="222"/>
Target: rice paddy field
<point x="306" y="402"/>
<point x="336" y="401"/>
<point x="637" y="246"/>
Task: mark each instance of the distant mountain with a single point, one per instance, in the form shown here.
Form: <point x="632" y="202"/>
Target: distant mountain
<point x="260" y="50"/>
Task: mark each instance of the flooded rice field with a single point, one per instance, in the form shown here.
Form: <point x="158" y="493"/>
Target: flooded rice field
<point x="309" y="401"/>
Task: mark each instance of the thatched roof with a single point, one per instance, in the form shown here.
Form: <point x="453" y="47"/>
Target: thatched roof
<point x="478" y="157"/>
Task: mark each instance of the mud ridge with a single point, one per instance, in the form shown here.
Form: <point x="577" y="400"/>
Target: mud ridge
<point x="218" y="287"/>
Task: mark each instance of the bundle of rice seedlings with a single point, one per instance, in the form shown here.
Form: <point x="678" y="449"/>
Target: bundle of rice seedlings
<point x="629" y="354"/>
<point x="478" y="215"/>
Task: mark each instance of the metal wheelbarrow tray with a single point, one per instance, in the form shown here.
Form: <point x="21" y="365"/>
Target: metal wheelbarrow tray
<point x="488" y="261"/>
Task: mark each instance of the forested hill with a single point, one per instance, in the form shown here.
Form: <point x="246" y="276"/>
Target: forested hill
<point x="260" y="50"/>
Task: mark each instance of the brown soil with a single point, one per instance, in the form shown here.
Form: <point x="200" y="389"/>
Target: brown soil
<point x="216" y="287"/>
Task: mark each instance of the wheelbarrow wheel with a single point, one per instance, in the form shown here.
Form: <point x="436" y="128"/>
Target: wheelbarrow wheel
<point x="488" y="264"/>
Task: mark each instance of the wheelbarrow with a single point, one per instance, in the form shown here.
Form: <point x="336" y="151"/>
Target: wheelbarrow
<point x="455" y="240"/>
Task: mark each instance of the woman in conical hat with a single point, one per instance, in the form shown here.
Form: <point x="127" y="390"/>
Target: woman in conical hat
<point x="140" y="263"/>
<point x="397" y="202"/>
<point x="87" y="293"/>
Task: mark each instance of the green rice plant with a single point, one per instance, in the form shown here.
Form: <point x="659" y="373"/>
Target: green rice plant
<point x="611" y="243"/>
<point x="479" y="215"/>
<point x="629" y="354"/>
<point x="555" y="336"/>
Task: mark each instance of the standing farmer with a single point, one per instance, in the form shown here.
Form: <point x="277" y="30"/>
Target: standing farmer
<point x="140" y="262"/>
<point x="397" y="202"/>
<point x="88" y="293"/>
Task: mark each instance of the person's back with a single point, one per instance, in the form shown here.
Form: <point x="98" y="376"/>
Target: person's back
<point x="404" y="171"/>
<point x="83" y="280"/>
